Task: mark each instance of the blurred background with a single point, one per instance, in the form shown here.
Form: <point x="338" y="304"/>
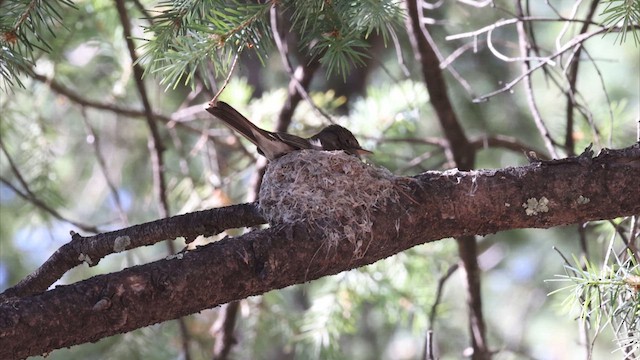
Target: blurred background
<point x="75" y="157"/>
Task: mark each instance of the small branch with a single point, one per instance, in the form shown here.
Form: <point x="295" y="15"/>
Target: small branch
<point x="501" y="23"/>
<point x="577" y="40"/>
<point x="29" y="196"/>
<point x="428" y="346"/>
<point x="505" y="142"/>
<point x="446" y="64"/>
<point x="566" y="25"/>
<point x="155" y="142"/>
<point x="588" y="114"/>
<point x="92" y="249"/>
<point x="234" y="63"/>
<point x="425" y="53"/>
<point x="145" y="13"/>
<point x="177" y="119"/>
<point x="468" y="251"/>
<point x="25" y="15"/>
<point x="398" y="49"/>
<point x="572" y="76"/>
<point x="523" y="43"/>
<point x="298" y="80"/>
<point x="74" y="97"/>
<point x="155" y="145"/>
<point x="523" y="57"/>
<point x="439" y="291"/>
<point x="95" y="141"/>
<point x="156" y="148"/>
<point x="464" y="157"/>
<point x="629" y="244"/>
<point x="223" y="331"/>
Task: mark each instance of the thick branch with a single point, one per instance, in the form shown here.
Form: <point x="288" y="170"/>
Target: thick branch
<point x="449" y="204"/>
<point x="92" y="249"/>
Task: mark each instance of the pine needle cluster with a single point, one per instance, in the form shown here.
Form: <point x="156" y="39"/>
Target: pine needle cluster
<point x="25" y="26"/>
<point x="627" y="14"/>
<point x="187" y="38"/>
<point x="607" y="296"/>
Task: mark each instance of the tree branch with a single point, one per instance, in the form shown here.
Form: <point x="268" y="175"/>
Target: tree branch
<point x="525" y="47"/>
<point x="92" y="249"/>
<point x="463" y="155"/>
<point x="447" y="204"/>
<point x="102" y="164"/>
<point x="29" y="196"/>
<point x="572" y="77"/>
<point x="179" y="118"/>
<point x="566" y="47"/>
<point x="156" y="147"/>
<point x="299" y="83"/>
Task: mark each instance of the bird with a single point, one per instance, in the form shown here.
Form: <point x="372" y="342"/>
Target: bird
<point x="275" y="144"/>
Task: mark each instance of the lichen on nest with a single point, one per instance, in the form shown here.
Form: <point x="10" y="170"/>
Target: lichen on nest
<point x="329" y="190"/>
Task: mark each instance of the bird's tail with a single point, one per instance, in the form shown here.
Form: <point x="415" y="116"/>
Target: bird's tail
<point x="236" y="121"/>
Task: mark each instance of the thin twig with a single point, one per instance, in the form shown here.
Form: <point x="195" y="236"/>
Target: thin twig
<point x="596" y="132"/>
<point x="505" y="22"/>
<point x="155" y="145"/>
<point x="46" y="208"/>
<point x="294" y="81"/>
<point x="567" y="24"/>
<point x="223" y="330"/>
<point x="428" y="346"/>
<point x="505" y="142"/>
<point x="228" y="78"/>
<point x="629" y="244"/>
<point x="523" y="57"/>
<point x="154" y="141"/>
<point x="572" y="76"/>
<point x="95" y="141"/>
<point x="29" y="196"/>
<point x="533" y="107"/>
<point x="439" y="291"/>
<point x="116" y="109"/>
<point x="476" y="4"/>
<point x="566" y="47"/>
<point x="398" y="49"/>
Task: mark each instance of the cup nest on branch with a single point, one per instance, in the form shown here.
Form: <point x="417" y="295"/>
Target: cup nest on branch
<point x="329" y="191"/>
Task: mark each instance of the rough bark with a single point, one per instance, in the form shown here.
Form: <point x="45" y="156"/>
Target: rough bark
<point x="437" y="205"/>
<point x="92" y="249"/>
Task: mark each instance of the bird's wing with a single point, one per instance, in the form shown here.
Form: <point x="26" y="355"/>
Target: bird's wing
<point x="296" y="142"/>
<point x="236" y="121"/>
<point x="269" y="144"/>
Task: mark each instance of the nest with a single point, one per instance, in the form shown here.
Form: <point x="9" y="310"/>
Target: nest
<point x="329" y="191"/>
